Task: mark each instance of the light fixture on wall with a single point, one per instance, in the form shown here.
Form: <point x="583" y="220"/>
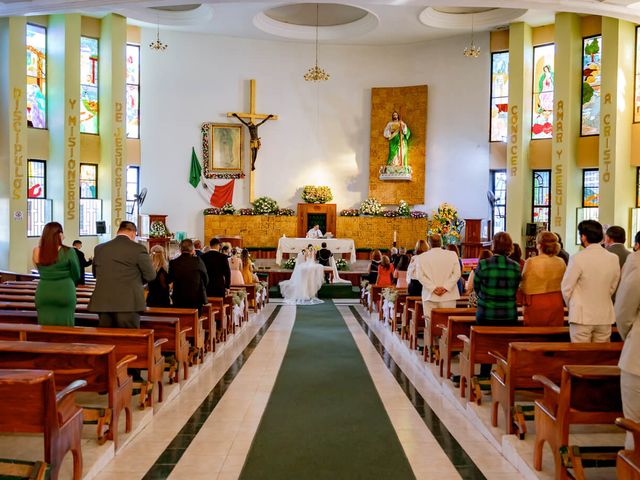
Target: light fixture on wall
<point x="315" y="73"/>
<point x="472" y="51"/>
<point x="157" y="45"/>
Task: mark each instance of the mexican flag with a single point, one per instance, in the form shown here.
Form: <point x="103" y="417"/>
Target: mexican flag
<point x="196" y="170"/>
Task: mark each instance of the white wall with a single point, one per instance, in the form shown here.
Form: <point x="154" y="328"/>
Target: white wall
<point x="201" y="77"/>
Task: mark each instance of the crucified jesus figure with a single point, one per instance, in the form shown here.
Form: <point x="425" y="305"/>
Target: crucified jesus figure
<point x="254" y="142"/>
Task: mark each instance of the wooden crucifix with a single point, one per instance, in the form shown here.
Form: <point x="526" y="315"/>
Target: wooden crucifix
<point x="252" y="121"/>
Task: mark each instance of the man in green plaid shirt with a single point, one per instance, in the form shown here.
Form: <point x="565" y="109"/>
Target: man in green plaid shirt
<point x="496" y="281"/>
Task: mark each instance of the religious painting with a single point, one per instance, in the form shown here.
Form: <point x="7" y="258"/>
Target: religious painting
<point x="398" y="144"/>
<point x="222" y="149"/>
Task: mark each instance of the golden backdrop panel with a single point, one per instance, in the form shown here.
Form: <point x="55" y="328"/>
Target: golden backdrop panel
<point x="377" y="232"/>
<point x="411" y="104"/>
<point x="256" y="231"/>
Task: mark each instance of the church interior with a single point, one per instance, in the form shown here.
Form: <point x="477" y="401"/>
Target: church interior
<point x="280" y="130"/>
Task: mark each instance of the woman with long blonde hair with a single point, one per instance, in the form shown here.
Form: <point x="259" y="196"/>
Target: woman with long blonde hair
<point x="159" y="295"/>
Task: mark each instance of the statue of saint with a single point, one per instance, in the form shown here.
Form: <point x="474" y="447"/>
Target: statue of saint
<point x="398" y="134"/>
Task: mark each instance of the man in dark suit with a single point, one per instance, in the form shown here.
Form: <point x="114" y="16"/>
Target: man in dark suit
<point x="614" y="239"/>
<point x="121" y="268"/>
<point x="217" y="265"/>
<point x="189" y="277"/>
<point x="324" y="258"/>
<point x="84" y="263"/>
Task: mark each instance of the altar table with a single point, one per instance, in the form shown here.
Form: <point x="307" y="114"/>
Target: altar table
<point x="336" y="245"/>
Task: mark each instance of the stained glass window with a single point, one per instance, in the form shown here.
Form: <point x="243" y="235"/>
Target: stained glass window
<point x="591" y="63"/>
<point x="541" y="210"/>
<point x="133" y="91"/>
<point x="38" y="206"/>
<point x="89" y="85"/>
<point x="499" y="96"/>
<point x="636" y="111"/>
<point x="499" y="204"/>
<point x="133" y="189"/>
<point x="90" y="204"/>
<point x="36" y="76"/>
<point x="590" y="187"/>
<point x="543" y="81"/>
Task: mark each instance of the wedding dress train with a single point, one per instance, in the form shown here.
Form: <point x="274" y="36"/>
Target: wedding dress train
<point x="306" y="279"/>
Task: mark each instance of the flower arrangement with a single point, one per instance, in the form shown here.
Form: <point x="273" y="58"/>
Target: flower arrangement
<point x="342" y="265"/>
<point x="390" y="213"/>
<point x="290" y="263"/>
<point x="158" y="229"/>
<point x="350" y="212"/>
<point x="212" y="211"/>
<point x="239" y="296"/>
<point x="228" y="209"/>
<point x="390" y="294"/>
<point x="265" y="206"/>
<point x="314" y="194"/>
<point x="403" y="209"/>
<point x="418" y="214"/>
<point x="370" y="206"/>
<point x="447" y="223"/>
<point x="246" y="211"/>
<point x="285" y="212"/>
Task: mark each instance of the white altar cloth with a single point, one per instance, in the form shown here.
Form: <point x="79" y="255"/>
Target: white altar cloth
<point x="336" y="245"/>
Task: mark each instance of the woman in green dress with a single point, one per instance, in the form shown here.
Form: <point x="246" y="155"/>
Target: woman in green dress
<point x="59" y="272"/>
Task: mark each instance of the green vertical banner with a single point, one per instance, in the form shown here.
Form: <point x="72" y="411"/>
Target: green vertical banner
<point x="196" y="170"/>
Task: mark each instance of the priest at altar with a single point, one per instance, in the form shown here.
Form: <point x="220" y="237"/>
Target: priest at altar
<point x="315" y="232"/>
<point x="338" y="246"/>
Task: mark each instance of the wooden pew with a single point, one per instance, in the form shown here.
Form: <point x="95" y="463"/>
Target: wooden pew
<point x="5" y="297"/>
<point x="587" y="395"/>
<point x="433" y="329"/>
<point x="168" y="328"/>
<point x="137" y="342"/>
<point x="374" y="296"/>
<point x="628" y="461"/>
<point x="189" y="317"/>
<point x="252" y="301"/>
<point x="523" y="360"/>
<point x="484" y="339"/>
<point x="449" y="344"/>
<point x="96" y="364"/>
<point x="209" y="312"/>
<point x="398" y="309"/>
<point x="19" y="290"/>
<point x="29" y="403"/>
<point x="221" y="317"/>
<point x="23" y="469"/>
<point x="416" y="324"/>
<point x="409" y="306"/>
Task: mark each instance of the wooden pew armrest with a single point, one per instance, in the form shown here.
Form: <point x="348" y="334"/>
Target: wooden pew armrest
<point x="121" y="368"/>
<point x="632" y="427"/>
<point x="464" y="339"/>
<point x="502" y="365"/>
<point x="442" y="327"/>
<point x="160" y="341"/>
<point x="72" y="387"/>
<point x="547" y="384"/>
<point x="500" y="360"/>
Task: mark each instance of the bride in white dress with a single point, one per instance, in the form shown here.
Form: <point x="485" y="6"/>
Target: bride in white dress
<point x="306" y="279"/>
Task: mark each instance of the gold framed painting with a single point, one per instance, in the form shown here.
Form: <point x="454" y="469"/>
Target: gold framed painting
<point x="222" y="149"/>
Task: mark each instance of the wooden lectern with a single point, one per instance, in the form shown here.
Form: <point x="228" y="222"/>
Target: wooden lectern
<point x="473" y="242"/>
<point x="310" y="214"/>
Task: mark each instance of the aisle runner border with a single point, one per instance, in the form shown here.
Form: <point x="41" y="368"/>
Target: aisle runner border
<point x="171" y="455"/>
<point x="460" y="459"/>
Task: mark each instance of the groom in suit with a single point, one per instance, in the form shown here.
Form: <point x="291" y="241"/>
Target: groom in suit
<point x="324" y="259"/>
<point x="217" y="264"/>
<point x="121" y="268"/>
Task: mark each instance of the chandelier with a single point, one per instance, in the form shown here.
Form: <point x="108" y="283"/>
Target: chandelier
<point x="472" y="51"/>
<point x="157" y="45"/>
<point x="316" y="73"/>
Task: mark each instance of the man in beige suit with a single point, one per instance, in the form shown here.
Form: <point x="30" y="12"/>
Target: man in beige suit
<point x="628" y="320"/>
<point x="438" y="271"/>
<point x="588" y="283"/>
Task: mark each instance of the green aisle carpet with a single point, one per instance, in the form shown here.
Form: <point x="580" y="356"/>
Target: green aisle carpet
<point x="324" y="419"/>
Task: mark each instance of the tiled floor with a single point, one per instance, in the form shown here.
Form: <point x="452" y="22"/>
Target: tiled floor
<point x="206" y="430"/>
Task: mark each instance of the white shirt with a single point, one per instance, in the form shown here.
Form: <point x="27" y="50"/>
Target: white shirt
<point x="438" y="268"/>
<point x="313" y="233"/>
<point x="588" y="283"/>
<point x="628" y="314"/>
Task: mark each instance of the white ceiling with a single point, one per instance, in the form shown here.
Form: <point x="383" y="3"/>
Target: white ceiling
<point x="389" y="22"/>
